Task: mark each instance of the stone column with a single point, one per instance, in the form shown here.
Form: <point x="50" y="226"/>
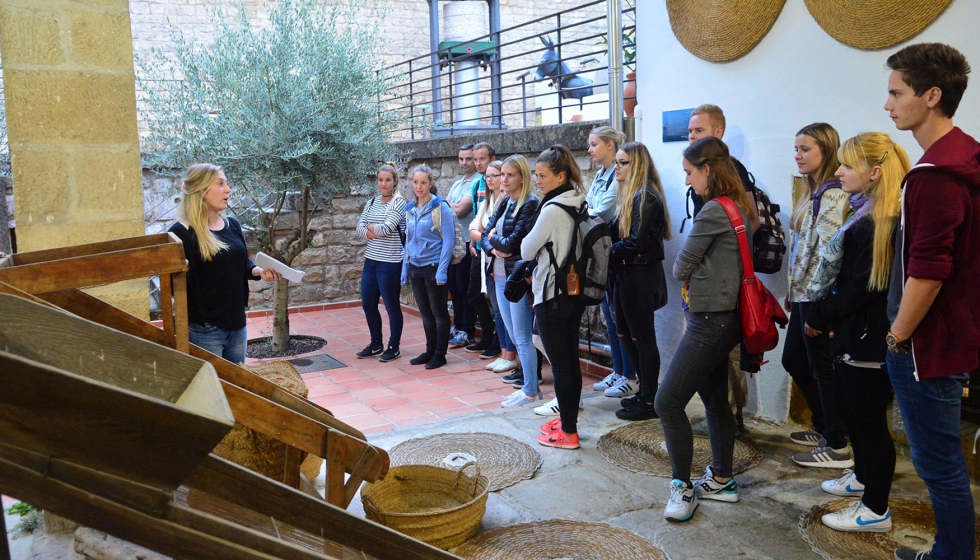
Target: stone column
<point x="71" y="120"/>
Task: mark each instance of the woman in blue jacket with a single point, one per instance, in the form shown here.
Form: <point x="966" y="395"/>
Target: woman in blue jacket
<point x="429" y="239"/>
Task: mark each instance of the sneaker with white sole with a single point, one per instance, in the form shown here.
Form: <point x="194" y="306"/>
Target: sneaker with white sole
<point x="624" y="387"/>
<point x="807" y="437"/>
<point x="847" y="485"/>
<point x="519" y="398"/>
<point x="494" y="364"/>
<point x="825" y="457"/>
<point x="682" y="503"/>
<point x="909" y="554"/>
<point x="707" y="488"/>
<point x="506" y="365"/>
<point x="607" y="382"/>
<point x="858" y="518"/>
<point x="550" y="408"/>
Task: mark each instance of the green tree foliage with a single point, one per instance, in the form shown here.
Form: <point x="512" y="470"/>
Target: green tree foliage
<point x="289" y="109"/>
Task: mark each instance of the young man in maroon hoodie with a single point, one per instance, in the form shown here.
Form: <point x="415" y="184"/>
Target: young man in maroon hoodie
<point x="934" y="341"/>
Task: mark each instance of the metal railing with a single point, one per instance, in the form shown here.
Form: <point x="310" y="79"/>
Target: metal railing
<point x="578" y="37"/>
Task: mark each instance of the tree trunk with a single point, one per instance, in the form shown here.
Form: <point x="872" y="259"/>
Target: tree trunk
<point x="280" y="316"/>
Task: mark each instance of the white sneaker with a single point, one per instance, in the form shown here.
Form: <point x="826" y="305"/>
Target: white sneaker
<point x="858" y="518"/>
<point x="624" y="387"/>
<point x="682" y="503"/>
<point x="550" y="408"/>
<point x="607" y="382"/>
<point x="506" y="365"/>
<point x="494" y="364"/>
<point x="847" y="486"/>
<point x="707" y="488"/>
<point x="519" y="398"/>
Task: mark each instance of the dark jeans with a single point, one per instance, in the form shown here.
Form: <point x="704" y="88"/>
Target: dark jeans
<point x="478" y="301"/>
<point x="700" y="366"/>
<point x="862" y="396"/>
<point x="431" y="299"/>
<point x="620" y="361"/>
<point x="635" y="300"/>
<point x="464" y="316"/>
<point x="230" y="345"/>
<point x="381" y="280"/>
<point x="931" y="412"/>
<point x="559" y="334"/>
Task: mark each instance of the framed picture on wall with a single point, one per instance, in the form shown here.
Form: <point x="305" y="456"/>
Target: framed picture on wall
<point x="675" y="124"/>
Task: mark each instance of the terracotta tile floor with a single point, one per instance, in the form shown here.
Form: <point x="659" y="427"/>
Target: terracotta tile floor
<point x="375" y="397"/>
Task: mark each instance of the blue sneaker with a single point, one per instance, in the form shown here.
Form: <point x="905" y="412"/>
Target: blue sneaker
<point x="848" y="485"/>
<point x="858" y="518"/>
<point x="707" y="488"/>
<point x="460" y="339"/>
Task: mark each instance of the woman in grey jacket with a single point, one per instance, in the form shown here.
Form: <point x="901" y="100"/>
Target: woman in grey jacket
<point x="711" y="265"/>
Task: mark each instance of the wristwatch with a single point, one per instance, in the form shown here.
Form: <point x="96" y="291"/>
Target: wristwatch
<point x="896" y="345"/>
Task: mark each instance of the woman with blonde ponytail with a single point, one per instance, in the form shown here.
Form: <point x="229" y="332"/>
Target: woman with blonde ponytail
<point x="855" y="270"/>
<point x="218" y="265"/>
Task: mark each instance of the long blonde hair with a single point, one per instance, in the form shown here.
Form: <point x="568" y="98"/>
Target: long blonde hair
<point x="519" y="163"/>
<point x="641" y="173"/>
<point x="863" y="153"/>
<point x="194" y="213"/>
<point x="492" y="199"/>
<point x="828" y="142"/>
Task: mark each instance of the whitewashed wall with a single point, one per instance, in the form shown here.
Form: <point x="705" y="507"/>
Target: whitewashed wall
<point x="797" y="75"/>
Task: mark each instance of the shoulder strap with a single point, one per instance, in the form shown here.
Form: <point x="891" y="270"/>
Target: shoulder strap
<point x="748" y="271"/>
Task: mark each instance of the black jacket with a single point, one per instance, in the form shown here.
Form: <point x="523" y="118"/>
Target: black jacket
<point x="645" y="243"/>
<point x="856" y="315"/>
<point x="511" y="230"/>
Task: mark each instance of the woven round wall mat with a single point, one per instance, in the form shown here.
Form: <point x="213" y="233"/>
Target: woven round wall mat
<point x="505" y="461"/>
<point x="874" y="24"/>
<point x="912" y="527"/>
<point x="722" y="30"/>
<point x="558" y="538"/>
<point x="640" y="447"/>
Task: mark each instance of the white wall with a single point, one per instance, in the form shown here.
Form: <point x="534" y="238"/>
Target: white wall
<point x="797" y="75"/>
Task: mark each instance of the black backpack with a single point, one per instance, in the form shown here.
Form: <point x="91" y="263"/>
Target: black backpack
<point x="587" y="262"/>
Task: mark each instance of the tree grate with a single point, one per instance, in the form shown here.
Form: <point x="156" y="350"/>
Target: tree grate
<point x="320" y="362"/>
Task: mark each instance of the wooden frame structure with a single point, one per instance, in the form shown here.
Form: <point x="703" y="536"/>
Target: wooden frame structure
<point x="149" y="515"/>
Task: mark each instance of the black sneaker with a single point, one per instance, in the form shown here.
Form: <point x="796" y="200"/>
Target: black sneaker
<point x="479" y="346"/>
<point x="390" y="354"/>
<point x="420" y="359"/>
<point x="638" y="411"/>
<point x="629" y="401"/>
<point x="514" y="376"/>
<point x="491" y="353"/>
<point x="370" y="351"/>
<point x="519" y="382"/>
<point x="436" y="362"/>
<point x="909" y="554"/>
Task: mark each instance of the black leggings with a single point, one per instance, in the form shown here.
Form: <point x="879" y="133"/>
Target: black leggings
<point x="477" y="300"/>
<point x="635" y="300"/>
<point x="432" y="301"/>
<point x="862" y="396"/>
<point x="559" y="334"/>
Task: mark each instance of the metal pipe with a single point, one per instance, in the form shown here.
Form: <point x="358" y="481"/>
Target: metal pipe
<point x="495" y="70"/>
<point x="615" y="55"/>
<point x="596" y="347"/>
<point x="434" y="60"/>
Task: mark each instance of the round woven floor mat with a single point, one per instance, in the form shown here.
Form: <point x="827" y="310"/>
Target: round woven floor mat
<point x="503" y="460"/>
<point x="640" y="447"/>
<point x="912" y="527"/>
<point x="558" y="538"/>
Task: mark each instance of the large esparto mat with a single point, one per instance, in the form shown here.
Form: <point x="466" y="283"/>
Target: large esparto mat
<point x="503" y="460"/>
<point x="912" y="527"/>
<point x="557" y="538"/>
<point x="874" y="24"/>
<point x="640" y="447"/>
<point x="722" y="30"/>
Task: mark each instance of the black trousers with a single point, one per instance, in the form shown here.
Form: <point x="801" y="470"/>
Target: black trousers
<point x="559" y="334"/>
<point x="478" y="301"/>
<point x="432" y="302"/>
<point x="635" y="299"/>
<point x="458" y="280"/>
<point x="862" y="396"/>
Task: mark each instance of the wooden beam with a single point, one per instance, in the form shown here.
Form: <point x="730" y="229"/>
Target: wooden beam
<point x="88" y="249"/>
<point x="290" y="467"/>
<point x="232" y="483"/>
<point x="167" y="309"/>
<point x="181" y="326"/>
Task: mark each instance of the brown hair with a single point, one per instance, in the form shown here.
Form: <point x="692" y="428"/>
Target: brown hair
<point x="828" y="142"/>
<point x="723" y="179"/>
<point x="559" y="159"/>
<point x="928" y="65"/>
<point x="485" y="146"/>
<point x="715" y="115"/>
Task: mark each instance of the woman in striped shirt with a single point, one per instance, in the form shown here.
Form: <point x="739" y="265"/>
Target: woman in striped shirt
<point x="382" y="224"/>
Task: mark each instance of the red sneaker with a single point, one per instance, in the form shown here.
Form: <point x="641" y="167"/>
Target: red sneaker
<point x="559" y="440"/>
<point x="551" y="426"/>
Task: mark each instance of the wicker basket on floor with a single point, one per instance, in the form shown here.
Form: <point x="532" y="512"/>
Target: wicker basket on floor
<point x="439" y="506"/>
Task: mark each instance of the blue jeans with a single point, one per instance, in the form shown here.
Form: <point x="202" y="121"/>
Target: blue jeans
<point x="506" y="343"/>
<point x="519" y="318"/>
<point x="230" y="345"/>
<point x="381" y="280"/>
<point x="931" y="412"/>
<point x="621" y="363"/>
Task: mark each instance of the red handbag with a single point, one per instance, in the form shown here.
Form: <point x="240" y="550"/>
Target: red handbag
<point x="759" y="309"/>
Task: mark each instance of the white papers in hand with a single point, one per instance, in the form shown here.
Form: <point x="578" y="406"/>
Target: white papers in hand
<point x="291" y="274"/>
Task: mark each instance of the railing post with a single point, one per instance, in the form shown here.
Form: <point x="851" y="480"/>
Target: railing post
<point x="615" y="56"/>
<point x="560" y="61"/>
<point x="411" y="98"/>
<point x="524" y="98"/>
<point x="496" y="92"/>
<point x="434" y="61"/>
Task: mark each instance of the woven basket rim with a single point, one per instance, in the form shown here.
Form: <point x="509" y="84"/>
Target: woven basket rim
<point x="482" y="483"/>
<point x="875" y="24"/>
<point x="722" y="30"/>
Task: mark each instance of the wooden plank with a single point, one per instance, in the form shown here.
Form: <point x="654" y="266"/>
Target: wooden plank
<point x="181" y="326"/>
<point x="59" y="253"/>
<point x="335" y="456"/>
<point x="94" y="270"/>
<point x="160" y="535"/>
<point x="230" y="482"/>
<point x="167" y="309"/>
<point x="290" y="467"/>
<point x="8" y="289"/>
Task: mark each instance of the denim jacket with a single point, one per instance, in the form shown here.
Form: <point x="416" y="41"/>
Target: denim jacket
<point x="424" y="244"/>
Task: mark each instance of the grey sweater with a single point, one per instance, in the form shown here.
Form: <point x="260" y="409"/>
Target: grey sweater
<point x="711" y="261"/>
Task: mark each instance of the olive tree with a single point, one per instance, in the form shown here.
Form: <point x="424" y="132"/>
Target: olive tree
<point x="289" y="108"/>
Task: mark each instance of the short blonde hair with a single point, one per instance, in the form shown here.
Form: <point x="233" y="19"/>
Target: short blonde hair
<point x="715" y="115"/>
